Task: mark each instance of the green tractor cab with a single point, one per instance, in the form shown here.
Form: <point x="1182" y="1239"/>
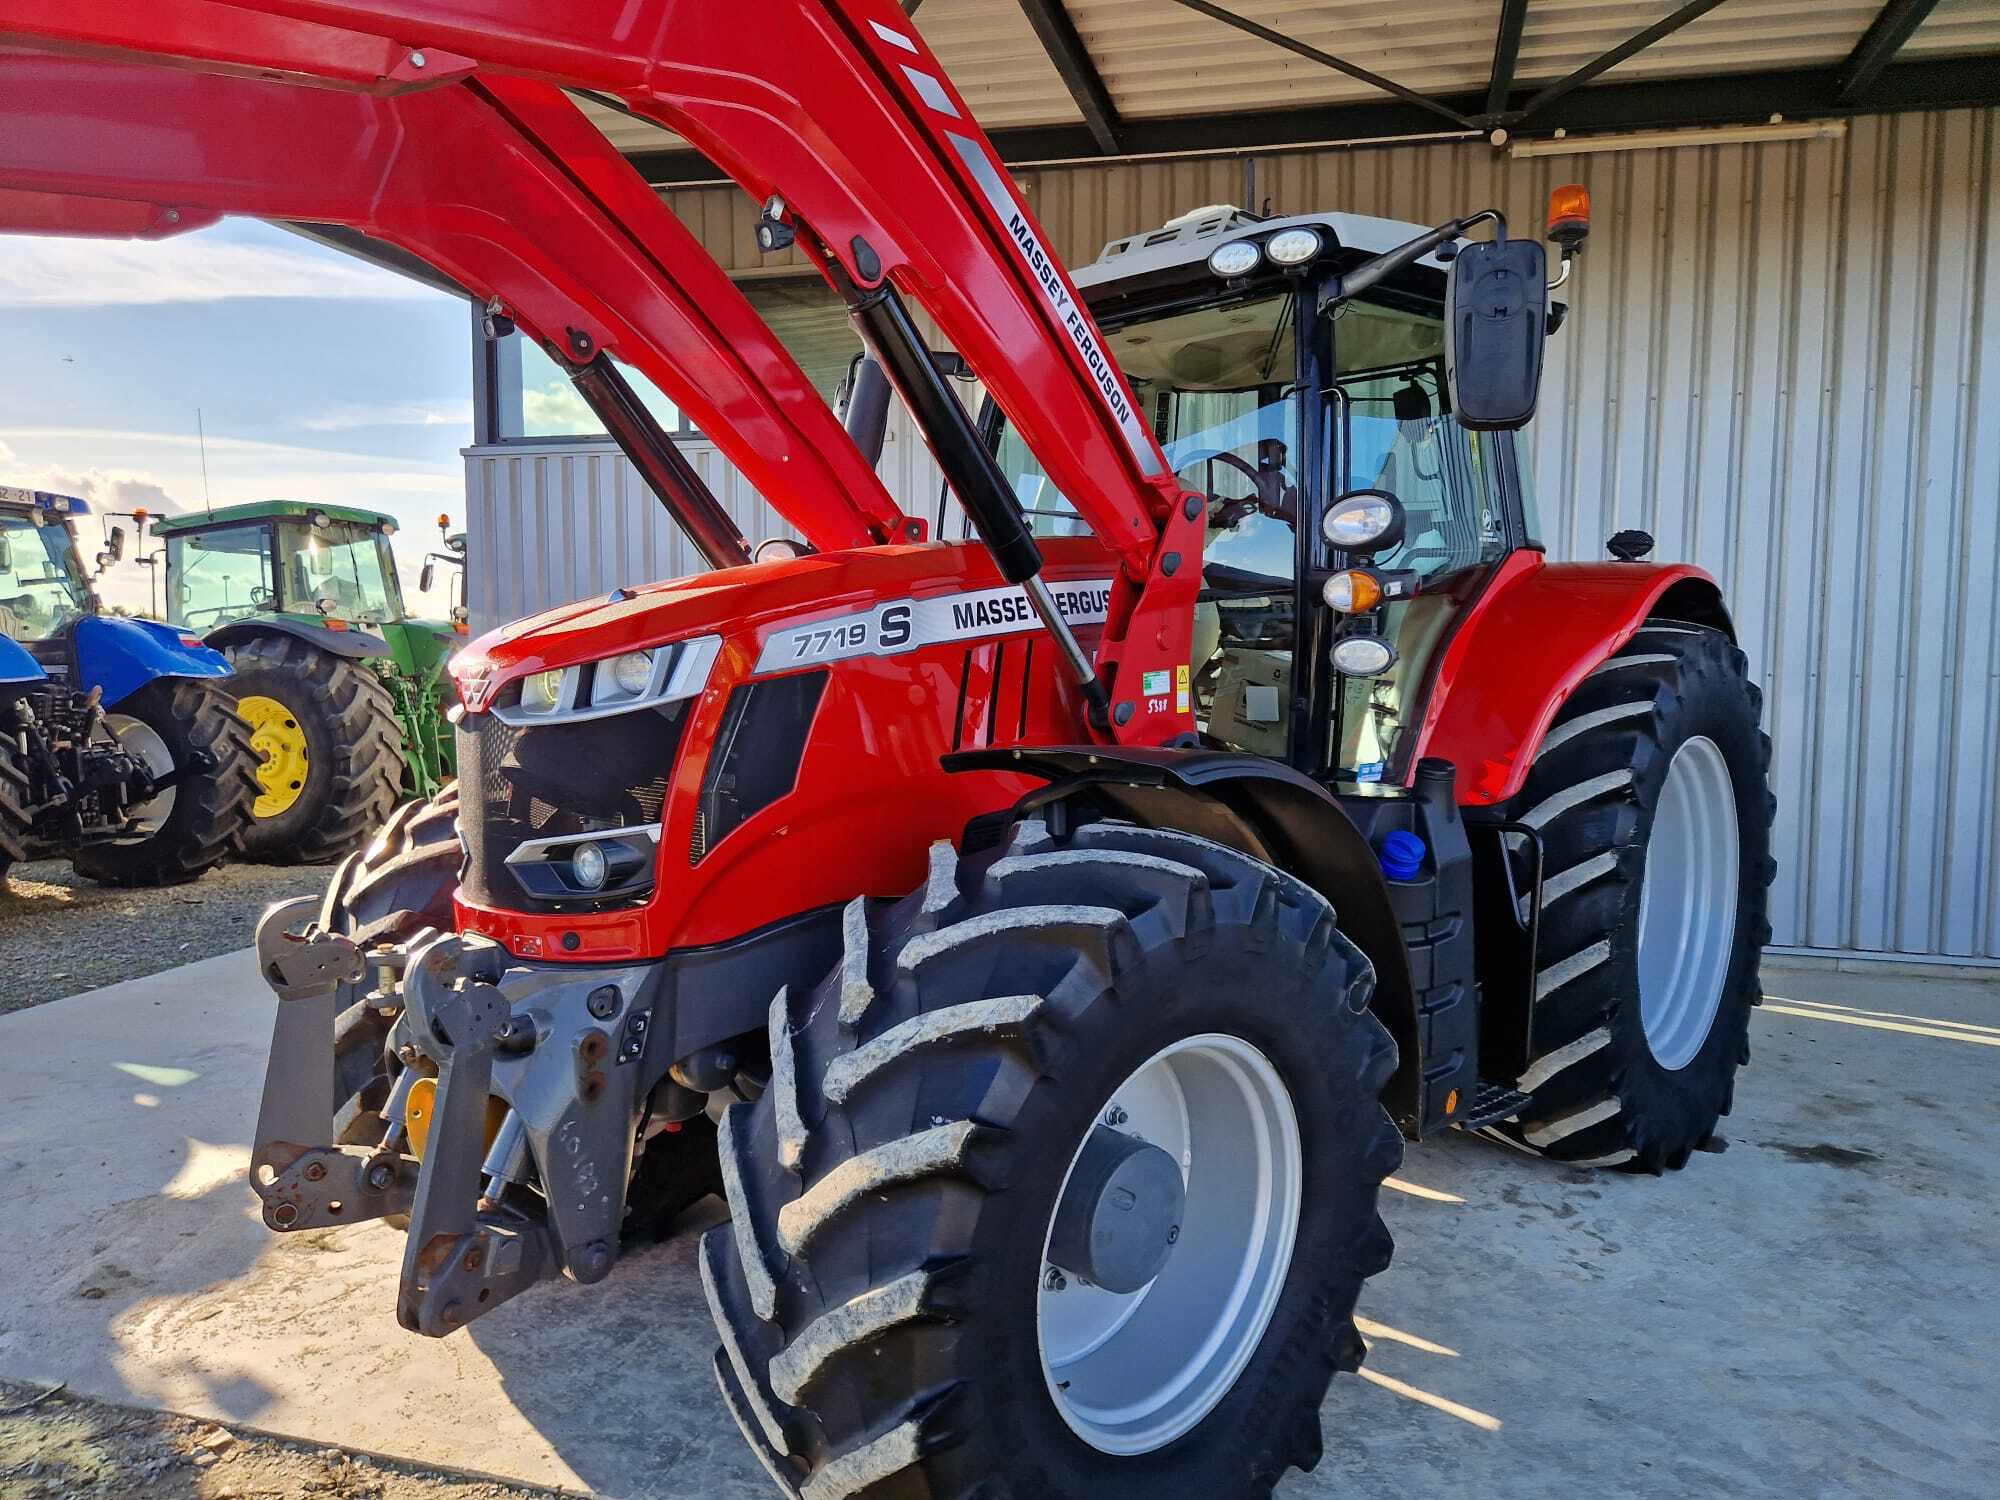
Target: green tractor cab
<point x="343" y="691"/>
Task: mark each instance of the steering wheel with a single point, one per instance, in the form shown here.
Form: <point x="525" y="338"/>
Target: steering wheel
<point x="1231" y="509"/>
<point x="259" y="596"/>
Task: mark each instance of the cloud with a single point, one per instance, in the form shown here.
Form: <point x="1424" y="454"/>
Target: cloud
<point x="6" y="454"/>
<point x="556" y="407"/>
<point x="443" y="411"/>
<point x="107" y="489"/>
<point x="41" y="271"/>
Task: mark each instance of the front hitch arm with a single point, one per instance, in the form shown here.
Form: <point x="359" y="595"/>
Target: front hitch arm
<point x="457" y="1261"/>
<point x="304" y="1179"/>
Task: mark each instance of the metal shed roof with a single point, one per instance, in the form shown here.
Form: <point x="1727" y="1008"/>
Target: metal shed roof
<point x="1080" y="80"/>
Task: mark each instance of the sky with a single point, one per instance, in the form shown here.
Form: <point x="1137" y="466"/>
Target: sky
<point x="317" y="376"/>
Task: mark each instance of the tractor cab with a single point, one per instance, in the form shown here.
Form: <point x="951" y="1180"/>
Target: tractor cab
<point x="322" y="564"/>
<point x="1350" y="516"/>
<point x="44" y="588"/>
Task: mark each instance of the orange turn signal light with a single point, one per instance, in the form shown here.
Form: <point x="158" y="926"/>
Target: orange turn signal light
<point x="1569" y="215"/>
<point x="1353" y="591"/>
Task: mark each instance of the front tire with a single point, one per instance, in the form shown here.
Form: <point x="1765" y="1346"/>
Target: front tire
<point x="396" y="888"/>
<point x="329" y="749"/>
<point x="1649" y="792"/>
<point x="883" y="1289"/>
<point x="14" y="822"/>
<point x="199" y="821"/>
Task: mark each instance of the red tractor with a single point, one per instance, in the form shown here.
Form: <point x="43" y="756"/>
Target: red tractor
<point x="1045" y="941"/>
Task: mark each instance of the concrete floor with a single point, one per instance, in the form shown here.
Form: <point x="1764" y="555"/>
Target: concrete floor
<point x="1814" y="1312"/>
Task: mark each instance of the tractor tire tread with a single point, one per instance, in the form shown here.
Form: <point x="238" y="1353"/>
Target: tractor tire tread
<point x="843" y="1283"/>
<point x="1599" y="1097"/>
<point x="211" y="810"/>
<point x="357" y="712"/>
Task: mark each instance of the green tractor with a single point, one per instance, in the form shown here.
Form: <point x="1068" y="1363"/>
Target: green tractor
<point x="343" y="691"/>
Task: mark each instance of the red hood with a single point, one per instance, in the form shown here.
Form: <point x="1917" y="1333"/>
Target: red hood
<point x="733" y="600"/>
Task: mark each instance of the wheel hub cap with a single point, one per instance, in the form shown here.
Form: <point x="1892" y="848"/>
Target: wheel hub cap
<point x="281" y="752"/>
<point x="142" y="742"/>
<point x="1130" y="1371"/>
<point x="1687" y="903"/>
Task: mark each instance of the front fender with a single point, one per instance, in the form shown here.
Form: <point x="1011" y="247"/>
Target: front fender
<point x="355" y="645"/>
<point x="1265" y="809"/>
<point x="122" y="655"/>
<point x="1523" y="646"/>
<point x="16" y="665"/>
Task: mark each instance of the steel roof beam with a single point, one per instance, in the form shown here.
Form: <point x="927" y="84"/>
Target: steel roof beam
<point x="1893" y="25"/>
<point x="1506" y="53"/>
<point x="1328" y="60"/>
<point x="1638" y="42"/>
<point x="1057" y="34"/>
<point x="1644" y="104"/>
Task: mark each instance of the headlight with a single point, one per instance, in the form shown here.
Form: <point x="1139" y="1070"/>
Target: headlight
<point x="1352" y="592"/>
<point x="631" y="674"/>
<point x="616" y="684"/>
<point x="1364" y="521"/>
<point x="1237" y="258"/>
<point x="1293" y="247"/>
<point x="612" y="863"/>
<point x="1363" y="656"/>
<point x="588" y="864"/>
<point x="541" y="692"/>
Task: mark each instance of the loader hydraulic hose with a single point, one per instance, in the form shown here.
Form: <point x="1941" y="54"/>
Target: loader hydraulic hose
<point x="968" y="464"/>
<point x="654" y="454"/>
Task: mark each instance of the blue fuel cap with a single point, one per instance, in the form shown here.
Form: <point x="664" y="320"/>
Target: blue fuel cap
<point x="1401" y="854"/>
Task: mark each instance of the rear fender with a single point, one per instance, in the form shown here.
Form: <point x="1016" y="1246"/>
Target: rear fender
<point x="1536" y="632"/>
<point x="1268" y="811"/>
<point x="352" y="644"/>
<point x="121" y="656"/>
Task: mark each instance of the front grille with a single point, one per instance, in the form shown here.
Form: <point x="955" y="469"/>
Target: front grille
<point x="547" y="780"/>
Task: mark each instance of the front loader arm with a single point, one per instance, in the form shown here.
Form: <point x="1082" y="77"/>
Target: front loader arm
<point x="841" y="112"/>
<point x="501" y="184"/>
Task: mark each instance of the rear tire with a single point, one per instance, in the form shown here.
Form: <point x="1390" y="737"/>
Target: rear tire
<point x="352" y="749"/>
<point x="1638" y="1042"/>
<point x="210" y="809"/>
<point x="881" y="1289"/>
<point x="387" y="893"/>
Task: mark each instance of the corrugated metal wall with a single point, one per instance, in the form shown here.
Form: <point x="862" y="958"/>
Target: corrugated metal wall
<point x="1783" y="360"/>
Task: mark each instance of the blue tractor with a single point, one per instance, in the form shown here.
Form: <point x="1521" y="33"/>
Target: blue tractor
<point x="120" y="747"/>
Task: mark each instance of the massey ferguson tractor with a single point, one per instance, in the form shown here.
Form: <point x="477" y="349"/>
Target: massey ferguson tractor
<point x="1046" y="940"/>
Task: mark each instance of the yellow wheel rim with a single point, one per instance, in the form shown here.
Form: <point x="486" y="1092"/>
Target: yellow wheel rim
<point x="281" y="753"/>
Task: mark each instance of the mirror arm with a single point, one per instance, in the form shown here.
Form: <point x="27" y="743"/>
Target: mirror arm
<point x="1353" y="283"/>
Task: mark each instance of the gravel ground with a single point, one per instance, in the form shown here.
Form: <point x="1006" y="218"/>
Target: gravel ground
<point x="62" y="934"/>
<point x="57" y="1447"/>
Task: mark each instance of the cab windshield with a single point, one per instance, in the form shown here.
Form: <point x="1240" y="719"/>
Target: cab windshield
<point x="41" y="587"/>
<point x="343" y="569"/>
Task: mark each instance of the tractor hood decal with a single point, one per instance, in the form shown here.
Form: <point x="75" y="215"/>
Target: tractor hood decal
<point x="907" y="624"/>
<point x="792" y="597"/>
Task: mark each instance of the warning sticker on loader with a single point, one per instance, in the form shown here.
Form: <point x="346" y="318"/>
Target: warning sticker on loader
<point x="910" y="624"/>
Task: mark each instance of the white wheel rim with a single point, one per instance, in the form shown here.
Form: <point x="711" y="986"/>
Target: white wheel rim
<point x="142" y="742"/>
<point x="1687" y="903"/>
<point x="1132" y="1372"/>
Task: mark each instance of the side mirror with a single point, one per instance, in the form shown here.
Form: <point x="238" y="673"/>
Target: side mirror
<point x="427" y="576"/>
<point x="6" y="554"/>
<point x="1495" y="324"/>
<point x="114" y="545"/>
